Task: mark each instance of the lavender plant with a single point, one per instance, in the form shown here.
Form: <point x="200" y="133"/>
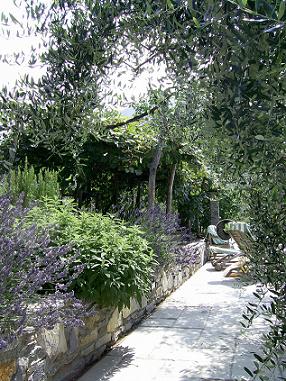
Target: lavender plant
<point x="189" y="254"/>
<point x="28" y="263"/>
<point x="163" y="231"/>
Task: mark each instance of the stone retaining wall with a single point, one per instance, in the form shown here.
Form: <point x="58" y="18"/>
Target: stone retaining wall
<point x="63" y="353"/>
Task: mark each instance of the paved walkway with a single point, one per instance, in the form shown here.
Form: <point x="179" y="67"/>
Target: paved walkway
<point x="194" y="335"/>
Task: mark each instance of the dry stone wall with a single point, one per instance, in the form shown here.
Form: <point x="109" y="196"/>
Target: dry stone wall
<point x="63" y="353"/>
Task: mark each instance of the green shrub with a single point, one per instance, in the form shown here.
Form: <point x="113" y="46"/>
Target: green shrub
<point x="119" y="261"/>
<point x="162" y="231"/>
<point x="34" y="186"/>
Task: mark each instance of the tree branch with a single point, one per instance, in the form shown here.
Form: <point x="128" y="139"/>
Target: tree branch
<point x="146" y="61"/>
<point x="133" y="119"/>
<point x="136" y="117"/>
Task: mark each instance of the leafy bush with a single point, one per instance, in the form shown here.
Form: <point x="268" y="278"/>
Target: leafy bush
<point x="162" y="231"/>
<point x="34" y="186"/>
<point x="268" y="268"/>
<point x="118" y="260"/>
<point x="27" y="263"/>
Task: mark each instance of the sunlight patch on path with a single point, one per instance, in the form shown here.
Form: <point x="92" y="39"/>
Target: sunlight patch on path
<point x="194" y="335"/>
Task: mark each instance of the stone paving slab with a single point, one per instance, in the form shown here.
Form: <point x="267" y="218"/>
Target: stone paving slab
<point x="194" y="335"/>
<point x="148" y="337"/>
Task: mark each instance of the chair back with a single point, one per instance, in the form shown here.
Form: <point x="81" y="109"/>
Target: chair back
<point x="213" y="238"/>
<point x="241" y="234"/>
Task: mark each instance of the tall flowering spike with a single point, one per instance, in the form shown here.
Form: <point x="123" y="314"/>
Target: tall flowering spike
<point x="163" y="231"/>
<point x="34" y="277"/>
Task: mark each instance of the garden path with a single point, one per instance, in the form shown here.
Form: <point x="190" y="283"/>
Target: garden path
<point x="194" y="335"/>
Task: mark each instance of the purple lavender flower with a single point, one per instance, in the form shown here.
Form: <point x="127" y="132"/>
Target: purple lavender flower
<point x="162" y="230"/>
<point x="34" y="277"/>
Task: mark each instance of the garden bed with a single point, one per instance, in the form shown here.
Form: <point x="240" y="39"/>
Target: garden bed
<point x="63" y="353"/>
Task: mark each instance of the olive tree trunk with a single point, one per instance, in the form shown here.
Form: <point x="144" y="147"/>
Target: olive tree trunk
<point x="138" y="196"/>
<point x="170" y="189"/>
<point x="152" y="175"/>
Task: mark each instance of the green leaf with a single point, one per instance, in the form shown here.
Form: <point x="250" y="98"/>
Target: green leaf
<point x="248" y="371"/>
<point x="259" y="358"/>
<point x="259" y="137"/>
<point x="15" y="21"/>
<point x="169" y="4"/>
<point x="196" y="21"/>
<point x="281" y="10"/>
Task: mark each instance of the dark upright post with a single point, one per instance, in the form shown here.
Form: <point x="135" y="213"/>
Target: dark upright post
<point x="214" y="207"/>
